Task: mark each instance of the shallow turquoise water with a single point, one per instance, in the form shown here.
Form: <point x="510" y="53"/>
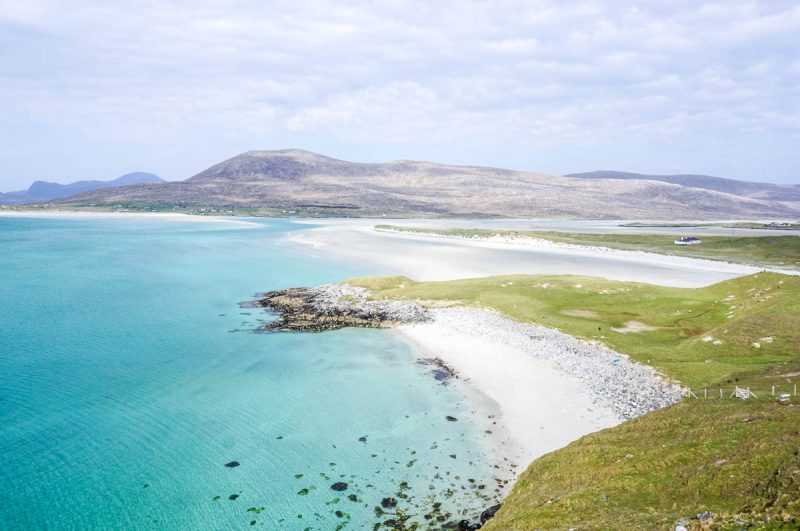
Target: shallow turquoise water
<point x="129" y="376"/>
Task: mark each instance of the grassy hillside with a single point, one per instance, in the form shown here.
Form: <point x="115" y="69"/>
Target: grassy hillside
<point x="739" y="460"/>
<point x="781" y="251"/>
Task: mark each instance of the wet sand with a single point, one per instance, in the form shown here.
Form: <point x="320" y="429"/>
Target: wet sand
<point x="425" y="257"/>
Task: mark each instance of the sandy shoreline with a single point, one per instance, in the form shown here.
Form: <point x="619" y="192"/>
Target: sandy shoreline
<point x="425" y="257"/>
<point x="543" y="245"/>
<point x="169" y="216"/>
<point x="538" y="408"/>
<point x="545" y="388"/>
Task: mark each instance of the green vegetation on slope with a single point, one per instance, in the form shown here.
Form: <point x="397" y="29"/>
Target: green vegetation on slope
<point x="782" y="251"/>
<point x="739" y="460"/>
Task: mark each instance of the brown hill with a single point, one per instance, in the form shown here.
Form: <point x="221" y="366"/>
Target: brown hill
<point x="308" y="183"/>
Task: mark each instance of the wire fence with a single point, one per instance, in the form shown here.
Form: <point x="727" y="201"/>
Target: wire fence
<point x="783" y="393"/>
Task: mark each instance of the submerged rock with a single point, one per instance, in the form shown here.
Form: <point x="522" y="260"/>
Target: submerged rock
<point x="339" y="486"/>
<point x="441" y="371"/>
<point x="232" y="464"/>
<point x="389" y="503"/>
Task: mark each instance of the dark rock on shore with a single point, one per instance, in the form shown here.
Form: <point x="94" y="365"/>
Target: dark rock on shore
<point x="489" y="513"/>
<point x="335" y="306"/>
<point x="473" y="525"/>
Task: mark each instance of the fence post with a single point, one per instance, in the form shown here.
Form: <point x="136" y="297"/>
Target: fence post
<point x="720" y="392"/>
<point x="705" y="393"/>
<point x="773" y="390"/>
<point x="795" y="389"/>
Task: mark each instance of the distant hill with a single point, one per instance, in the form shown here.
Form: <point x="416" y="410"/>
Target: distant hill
<point x="306" y="183"/>
<point x="43" y="191"/>
<point x="773" y="192"/>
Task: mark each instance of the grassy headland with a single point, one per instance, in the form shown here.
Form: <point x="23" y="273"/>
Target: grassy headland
<point x="781" y="251"/>
<point x="740" y="460"/>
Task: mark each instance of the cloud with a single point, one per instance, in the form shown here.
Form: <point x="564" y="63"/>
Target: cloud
<point x="507" y="82"/>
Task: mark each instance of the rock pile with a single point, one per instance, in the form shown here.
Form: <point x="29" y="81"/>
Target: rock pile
<point x="335" y="306"/>
<point x="630" y="389"/>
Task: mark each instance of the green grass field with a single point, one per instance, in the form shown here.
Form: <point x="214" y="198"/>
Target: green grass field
<point x="781" y="251"/>
<point x="740" y="460"/>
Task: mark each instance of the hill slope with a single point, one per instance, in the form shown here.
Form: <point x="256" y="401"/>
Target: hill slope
<point x="311" y="184"/>
<point x="731" y="186"/>
<point x="41" y="191"/>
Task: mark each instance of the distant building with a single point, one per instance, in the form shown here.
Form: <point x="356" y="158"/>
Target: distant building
<point x="776" y="225"/>
<point x="688" y="240"/>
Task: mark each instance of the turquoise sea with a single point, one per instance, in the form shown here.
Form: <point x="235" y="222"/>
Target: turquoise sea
<point x="129" y="376"/>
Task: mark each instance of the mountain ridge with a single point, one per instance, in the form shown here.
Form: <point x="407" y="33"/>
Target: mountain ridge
<point x="42" y="191"/>
<point x="303" y="182"/>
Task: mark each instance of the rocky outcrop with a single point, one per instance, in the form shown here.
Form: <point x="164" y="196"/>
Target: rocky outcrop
<point x="335" y="306"/>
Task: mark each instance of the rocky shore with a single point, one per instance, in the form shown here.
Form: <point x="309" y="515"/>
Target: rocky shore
<point x="335" y="306"/>
<point x="628" y="388"/>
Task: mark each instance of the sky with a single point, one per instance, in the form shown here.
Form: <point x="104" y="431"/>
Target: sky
<point x="93" y="90"/>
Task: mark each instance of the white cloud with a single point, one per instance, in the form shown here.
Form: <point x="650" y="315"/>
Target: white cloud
<point x="509" y="82"/>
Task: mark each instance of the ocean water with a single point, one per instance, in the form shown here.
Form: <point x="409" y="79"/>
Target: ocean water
<point x="129" y="376"/>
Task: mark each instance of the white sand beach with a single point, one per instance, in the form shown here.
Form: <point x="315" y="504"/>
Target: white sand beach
<point x="167" y="216"/>
<point x="544" y="388"/>
<point x="427" y="257"/>
<point x="537" y="407"/>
